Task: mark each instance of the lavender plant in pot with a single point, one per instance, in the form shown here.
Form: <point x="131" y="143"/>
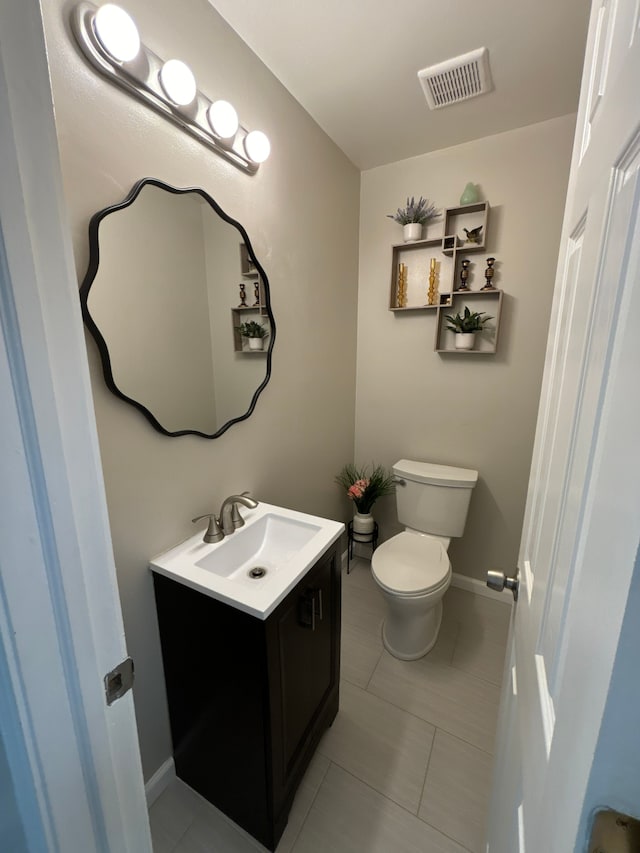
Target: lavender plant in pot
<point x="466" y="325"/>
<point x="413" y="217"/>
<point x="364" y="489"/>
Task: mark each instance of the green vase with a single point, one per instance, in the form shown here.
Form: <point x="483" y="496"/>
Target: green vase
<point x="470" y="194"/>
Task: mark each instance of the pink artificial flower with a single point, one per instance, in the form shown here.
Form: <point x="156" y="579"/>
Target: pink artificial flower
<point x="356" y="491"/>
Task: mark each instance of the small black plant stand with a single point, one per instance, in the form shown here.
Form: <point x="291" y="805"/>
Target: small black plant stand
<point x="354" y="538"/>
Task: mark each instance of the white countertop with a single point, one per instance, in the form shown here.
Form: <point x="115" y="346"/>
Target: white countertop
<point x="263" y="541"/>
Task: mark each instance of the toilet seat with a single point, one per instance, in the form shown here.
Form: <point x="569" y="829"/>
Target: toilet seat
<point x="410" y="565"/>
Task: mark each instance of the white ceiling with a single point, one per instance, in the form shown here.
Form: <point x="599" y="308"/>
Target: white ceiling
<point x="352" y="64"/>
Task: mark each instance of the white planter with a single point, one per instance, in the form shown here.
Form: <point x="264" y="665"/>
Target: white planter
<point x="465" y="340"/>
<point x="256" y="343"/>
<point x="363" y="522"/>
<point x="412" y="232"/>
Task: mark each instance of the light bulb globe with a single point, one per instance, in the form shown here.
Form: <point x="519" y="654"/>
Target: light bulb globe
<point x="178" y="82"/>
<point x="223" y="119"/>
<point x="117" y="33"/>
<point x="257" y="146"/>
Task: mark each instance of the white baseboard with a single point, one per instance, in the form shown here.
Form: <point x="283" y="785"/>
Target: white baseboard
<point x="478" y="587"/>
<point x="160" y="780"/>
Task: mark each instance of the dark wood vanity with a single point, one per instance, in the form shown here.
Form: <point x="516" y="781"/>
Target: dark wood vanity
<point x="249" y="699"/>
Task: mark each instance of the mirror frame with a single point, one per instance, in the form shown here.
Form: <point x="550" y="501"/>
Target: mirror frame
<point x="92" y="326"/>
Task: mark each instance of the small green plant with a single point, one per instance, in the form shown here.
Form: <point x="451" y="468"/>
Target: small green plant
<point x="251" y="329"/>
<point x="468" y="322"/>
<point x="420" y="211"/>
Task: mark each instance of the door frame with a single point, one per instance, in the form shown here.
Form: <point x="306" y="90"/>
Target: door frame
<point x="61" y="625"/>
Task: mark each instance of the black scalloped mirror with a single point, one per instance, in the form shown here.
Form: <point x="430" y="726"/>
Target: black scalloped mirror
<point x="171" y="280"/>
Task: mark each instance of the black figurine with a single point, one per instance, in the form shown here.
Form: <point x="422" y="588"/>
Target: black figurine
<point x="256" y="295"/>
<point x="243" y="296"/>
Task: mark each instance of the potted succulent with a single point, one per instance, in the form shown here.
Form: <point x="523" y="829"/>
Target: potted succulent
<point x="413" y="217"/>
<point x="364" y="489"/>
<point x="255" y="334"/>
<point x="466" y="325"/>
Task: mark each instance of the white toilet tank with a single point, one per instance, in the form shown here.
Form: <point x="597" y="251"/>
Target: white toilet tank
<point x="435" y="498"/>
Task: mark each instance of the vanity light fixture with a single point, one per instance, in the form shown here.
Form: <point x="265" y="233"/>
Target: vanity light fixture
<point x="109" y="39"/>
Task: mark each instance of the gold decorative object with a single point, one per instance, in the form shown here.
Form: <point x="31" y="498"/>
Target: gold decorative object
<point x="402" y="285"/>
<point x="243" y="296"/>
<point x="464" y="274"/>
<point x="488" y="274"/>
<point x="432" y="292"/>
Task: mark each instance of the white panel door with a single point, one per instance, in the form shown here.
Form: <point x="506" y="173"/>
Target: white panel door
<point x="581" y="529"/>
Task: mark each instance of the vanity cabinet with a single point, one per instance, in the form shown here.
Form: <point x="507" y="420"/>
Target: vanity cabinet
<point x="249" y="699"/>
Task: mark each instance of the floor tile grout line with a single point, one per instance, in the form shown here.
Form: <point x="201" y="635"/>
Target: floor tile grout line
<point x="393" y="802"/>
<point x="445" y="834"/>
<point x="373" y="672"/>
<point x="475" y="675"/>
<point x="306" y="817"/>
<point x="426" y="771"/>
<point x="470" y="675"/>
<point x="178" y="842"/>
<point x="392" y="704"/>
<point x="431" y="723"/>
<point x="187" y="828"/>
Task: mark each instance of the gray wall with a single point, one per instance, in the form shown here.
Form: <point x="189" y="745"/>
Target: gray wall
<point x="472" y="411"/>
<point x="301" y="212"/>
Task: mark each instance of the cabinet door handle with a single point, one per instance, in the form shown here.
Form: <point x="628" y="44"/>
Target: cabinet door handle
<point x="307" y="610"/>
<point x="319" y="600"/>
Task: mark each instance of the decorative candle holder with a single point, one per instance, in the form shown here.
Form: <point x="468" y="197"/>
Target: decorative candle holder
<point x="488" y="274"/>
<point x="243" y="296"/>
<point x="432" y="293"/>
<point x="464" y="274"/>
<point x="256" y="295"/>
<point x="402" y="285"/>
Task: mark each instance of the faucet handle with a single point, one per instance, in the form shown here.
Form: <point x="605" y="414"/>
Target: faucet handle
<point x="236" y="519"/>
<point x="213" y="534"/>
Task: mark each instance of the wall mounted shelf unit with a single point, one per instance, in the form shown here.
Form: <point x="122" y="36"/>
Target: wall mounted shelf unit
<point x="244" y="314"/>
<point x="450" y="250"/>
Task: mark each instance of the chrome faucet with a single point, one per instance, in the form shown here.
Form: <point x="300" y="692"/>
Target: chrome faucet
<point x="229" y="519"/>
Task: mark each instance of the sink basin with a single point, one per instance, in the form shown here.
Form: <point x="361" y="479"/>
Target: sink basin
<point x="269" y="543"/>
<point x="253" y="568"/>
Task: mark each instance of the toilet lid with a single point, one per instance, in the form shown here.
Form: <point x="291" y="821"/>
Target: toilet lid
<point x="409" y="564"/>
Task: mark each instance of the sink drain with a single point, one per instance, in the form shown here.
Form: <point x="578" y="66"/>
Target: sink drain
<point x="257" y="572"/>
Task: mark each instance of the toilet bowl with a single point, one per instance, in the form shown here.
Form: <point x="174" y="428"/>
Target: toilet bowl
<point x="413" y="573"/>
<point x="412" y="570"/>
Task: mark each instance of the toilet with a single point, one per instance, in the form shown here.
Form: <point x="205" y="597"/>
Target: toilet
<point x="412" y="569"/>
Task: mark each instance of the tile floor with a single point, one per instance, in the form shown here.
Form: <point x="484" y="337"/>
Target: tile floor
<point x="406" y="766"/>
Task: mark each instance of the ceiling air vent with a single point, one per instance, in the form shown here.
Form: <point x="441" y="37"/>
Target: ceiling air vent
<point x="456" y="79"/>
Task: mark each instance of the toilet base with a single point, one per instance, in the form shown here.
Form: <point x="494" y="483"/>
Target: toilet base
<point x="412" y="638"/>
